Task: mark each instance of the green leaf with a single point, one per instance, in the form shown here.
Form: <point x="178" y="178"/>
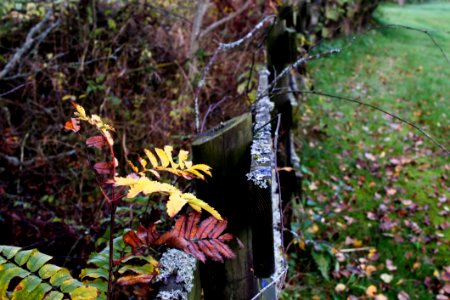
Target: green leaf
<point x="94" y="273"/>
<point x="59" y="277"/>
<point x="7" y="272"/>
<point x="27" y="285"/>
<point x="69" y="285"/>
<point x="32" y="286"/>
<point x="48" y="271"/>
<point x="100" y="260"/>
<point x="39" y="292"/>
<point x="322" y="261"/>
<point x="84" y="293"/>
<point x="100" y="284"/>
<point x="145" y="269"/>
<point x="22" y="257"/>
<point x="54" y="296"/>
<point x="9" y="251"/>
<point x="37" y="260"/>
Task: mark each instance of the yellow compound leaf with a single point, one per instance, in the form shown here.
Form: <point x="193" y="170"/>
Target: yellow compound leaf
<point x="202" y="167"/>
<point x="125" y="180"/>
<point x="68" y="97"/>
<point x="163" y="157"/>
<point x="168" y="150"/>
<point x="151" y="158"/>
<point x="196" y="203"/>
<point x="175" y="204"/>
<point x="182" y="157"/>
<point x="81" y="113"/>
<point x="84" y="293"/>
<point x="132" y="166"/>
<point x="143" y="162"/>
<point x="195" y="173"/>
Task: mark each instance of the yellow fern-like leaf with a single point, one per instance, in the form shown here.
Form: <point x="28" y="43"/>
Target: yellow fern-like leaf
<point x="125" y="180"/>
<point x="162" y="157"/>
<point x="202" y="167"/>
<point x="182" y="157"/>
<point x="133" y="167"/>
<point x="143" y="162"/>
<point x="175" y="204"/>
<point x="168" y="150"/>
<point x="81" y="113"/>
<point x="194" y="202"/>
<point x="151" y="158"/>
<point x="144" y="185"/>
<point x="196" y="173"/>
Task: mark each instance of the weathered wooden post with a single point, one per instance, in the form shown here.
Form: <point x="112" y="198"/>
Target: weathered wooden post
<point x="266" y="229"/>
<point x="226" y="149"/>
<point x="281" y="52"/>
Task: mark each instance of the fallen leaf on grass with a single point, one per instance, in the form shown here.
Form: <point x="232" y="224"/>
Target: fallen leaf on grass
<point x="369" y="270"/>
<point x="386" y="277"/>
<point x="340" y="287"/>
<point x="371" y="291"/>
<point x="403" y="296"/>
<point x="390" y="265"/>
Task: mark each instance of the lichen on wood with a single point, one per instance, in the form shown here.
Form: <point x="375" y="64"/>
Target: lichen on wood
<point x="261" y="149"/>
<point x="176" y="274"/>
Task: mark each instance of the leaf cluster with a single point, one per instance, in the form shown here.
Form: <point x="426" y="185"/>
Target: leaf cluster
<point x="38" y="279"/>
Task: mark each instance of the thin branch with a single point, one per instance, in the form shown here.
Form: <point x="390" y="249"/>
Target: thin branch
<point x="15" y="162"/>
<point x="274" y="281"/>
<point x="15" y="89"/>
<point x="225" y="19"/>
<point x="211" y="108"/>
<point x="33" y="38"/>
<point x="301" y="61"/>
<point x="348" y="99"/>
<point x="395" y="26"/>
<point x="427" y="32"/>
<point x="222" y="47"/>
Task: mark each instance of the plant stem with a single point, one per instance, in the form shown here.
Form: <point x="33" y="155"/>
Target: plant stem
<point x="111" y="225"/>
<point x="111" y="249"/>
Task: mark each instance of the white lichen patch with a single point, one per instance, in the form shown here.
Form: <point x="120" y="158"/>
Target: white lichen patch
<point x="261" y="149"/>
<point x="181" y="266"/>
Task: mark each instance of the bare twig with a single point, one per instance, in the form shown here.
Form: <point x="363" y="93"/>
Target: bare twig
<point x="299" y="62"/>
<point x="348" y="99"/>
<point x="274" y="281"/>
<point x="225" y="19"/>
<point x="211" y="108"/>
<point x="222" y="47"/>
<point x="15" y="89"/>
<point x="34" y="37"/>
<point x="15" y="162"/>
<point x="427" y="32"/>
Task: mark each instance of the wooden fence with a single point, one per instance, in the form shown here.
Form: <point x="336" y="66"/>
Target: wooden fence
<point x="245" y="189"/>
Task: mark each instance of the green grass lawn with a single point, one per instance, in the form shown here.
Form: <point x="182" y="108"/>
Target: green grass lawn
<point x="377" y="206"/>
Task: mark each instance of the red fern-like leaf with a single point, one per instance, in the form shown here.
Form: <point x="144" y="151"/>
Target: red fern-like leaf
<point x="204" y="240"/>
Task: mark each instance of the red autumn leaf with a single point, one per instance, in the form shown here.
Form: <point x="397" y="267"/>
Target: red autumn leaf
<point x="204" y="239"/>
<point x="134" y="279"/>
<point x="104" y="168"/>
<point x="97" y="141"/>
<point x="130" y="238"/>
<point x="201" y="241"/>
<point x="73" y="124"/>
